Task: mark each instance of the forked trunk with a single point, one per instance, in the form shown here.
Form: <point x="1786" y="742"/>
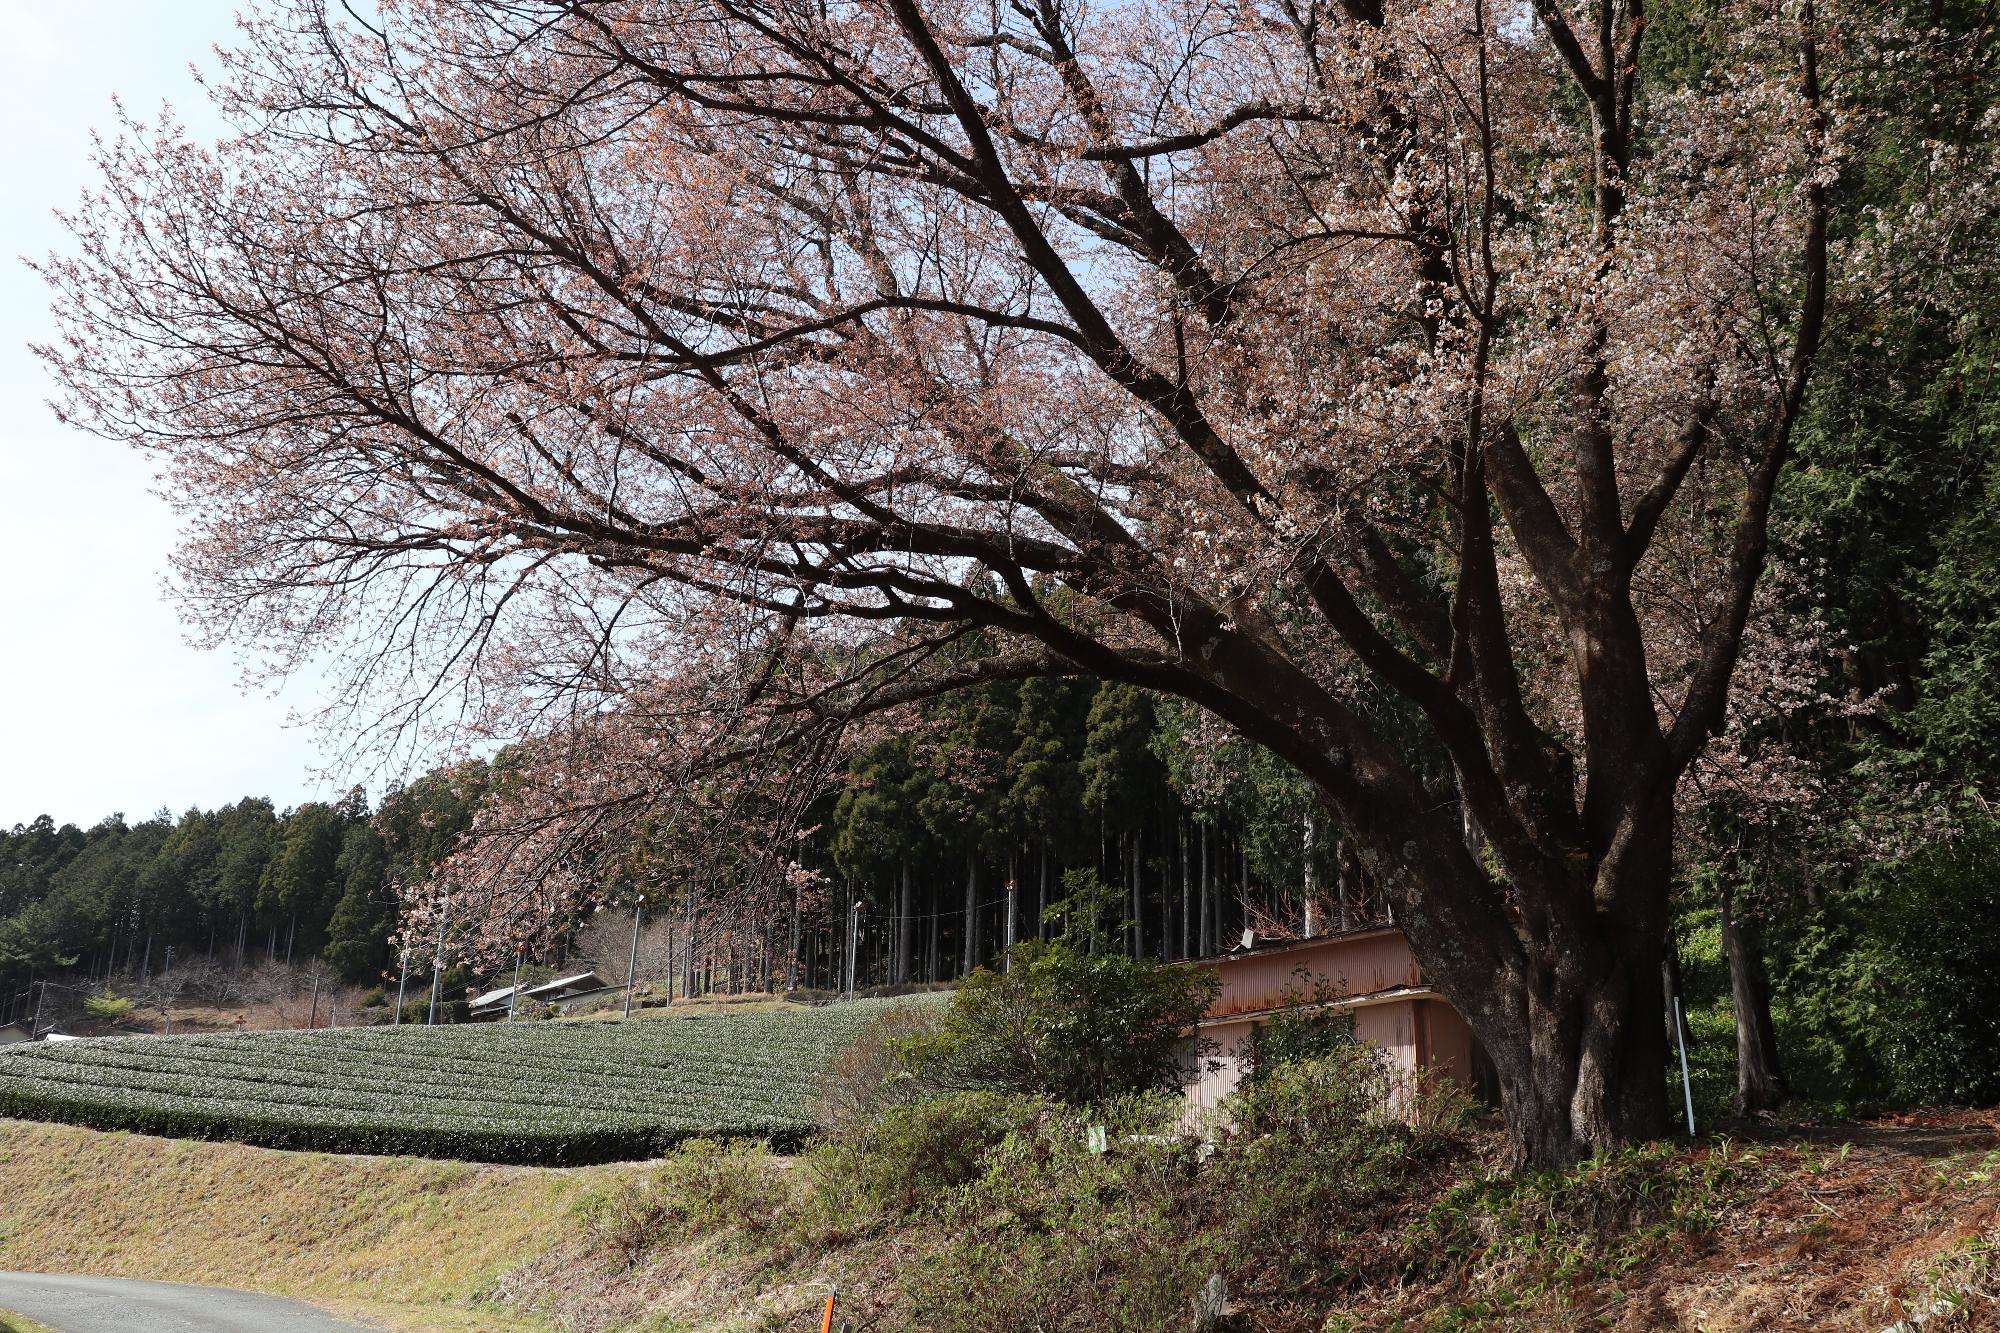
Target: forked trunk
<point x="1577" y="1036"/>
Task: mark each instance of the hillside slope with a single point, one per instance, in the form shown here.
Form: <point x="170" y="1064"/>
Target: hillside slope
<point x="1844" y="1230"/>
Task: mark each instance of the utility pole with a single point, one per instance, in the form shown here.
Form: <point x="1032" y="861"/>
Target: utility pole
<point x="312" y="1019"/>
<point x="853" y="942"/>
<point x="632" y="959"/>
<point x="402" y="981"/>
<point x="514" y="994"/>
<point x="437" y="963"/>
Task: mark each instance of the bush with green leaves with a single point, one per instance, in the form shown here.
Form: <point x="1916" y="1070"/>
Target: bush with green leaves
<point x="1314" y="1151"/>
<point x="1053" y="1236"/>
<point x="1307" y="1025"/>
<point x="911" y="1155"/>
<point x="1060" y="1022"/>
<point x="109" y="1008"/>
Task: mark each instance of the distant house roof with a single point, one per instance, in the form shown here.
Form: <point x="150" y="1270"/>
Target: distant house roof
<point x="561" y="986"/>
<point x="494" y="998"/>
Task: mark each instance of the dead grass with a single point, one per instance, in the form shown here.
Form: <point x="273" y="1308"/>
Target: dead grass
<point x="416" y="1244"/>
<point x="1854" y="1229"/>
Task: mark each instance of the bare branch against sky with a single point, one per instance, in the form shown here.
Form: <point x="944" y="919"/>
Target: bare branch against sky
<point x="103" y="706"/>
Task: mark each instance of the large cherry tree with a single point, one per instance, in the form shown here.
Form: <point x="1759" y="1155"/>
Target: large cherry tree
<point x="1332" y="364"/>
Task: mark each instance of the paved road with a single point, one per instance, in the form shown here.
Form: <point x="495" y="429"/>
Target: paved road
<point x="73" y="1303"/>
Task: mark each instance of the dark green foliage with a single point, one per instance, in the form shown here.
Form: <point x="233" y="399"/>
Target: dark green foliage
<point x="1891" y="992"/>
<point x="1044" y="800"/>
<point x="357" y="936"/>
<point x="1119" y="770"/>
<point x="1061" y="1023"/>
<point x="876" y="819"/>
<point x="228" y="886"/>
<point x="1089" y="914"/>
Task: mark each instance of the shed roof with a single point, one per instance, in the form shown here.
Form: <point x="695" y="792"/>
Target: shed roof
<point x="580" y="981"/>
<point x="493" y="997"/>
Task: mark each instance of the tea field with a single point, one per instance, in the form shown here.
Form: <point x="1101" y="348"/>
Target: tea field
<point x="547" y="1093"/>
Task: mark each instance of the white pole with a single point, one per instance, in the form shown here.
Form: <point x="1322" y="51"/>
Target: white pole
<point x="402" y="981"/>
<point x="437" y="963"/>
<point x="515" y="993"/>
<point x="632" y="962"/>
<point x="1687" y="1086"/>
<point x="853" y="942"/>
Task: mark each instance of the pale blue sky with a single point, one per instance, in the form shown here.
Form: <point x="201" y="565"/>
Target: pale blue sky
<point x="103" y="705"/>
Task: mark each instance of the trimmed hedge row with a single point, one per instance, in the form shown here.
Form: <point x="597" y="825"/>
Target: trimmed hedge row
<point x="547" y="1094"/>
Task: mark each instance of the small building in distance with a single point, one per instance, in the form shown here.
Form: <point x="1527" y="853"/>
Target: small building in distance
<point x="561" y="992"/>
<point x="1377" y="980"/>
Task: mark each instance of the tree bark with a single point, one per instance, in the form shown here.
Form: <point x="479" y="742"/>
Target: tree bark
<point x="971" y="913"/>
<point x="1205" y="927"/>
<point x="902" y="971"/>
<point x="1568" y="1002"/>
<point x="1760" y="1077"/>
<point x="1187" y="886"/>
<point x="1309" y="878"/>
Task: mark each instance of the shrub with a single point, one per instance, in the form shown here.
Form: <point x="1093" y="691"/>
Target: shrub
<point x="871" y="1074"/>
<point x="1307" y="1026"/>
<point x="1890" y="995"/>
<point x="1052" y="1236"/>
<point x="704" y="1185"/>
<point x="1075" y="1026"/>
<point x="1598" y="1219"/>
<point x="1317" y="1149"/>
<point x="711" y="1184"/>
<point x="911" y="1155"/>
<point x="108" y="1008"/>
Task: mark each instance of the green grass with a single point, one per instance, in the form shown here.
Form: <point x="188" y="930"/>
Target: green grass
<point x="11" y="1322"/>
<point x="541" y="1093"/>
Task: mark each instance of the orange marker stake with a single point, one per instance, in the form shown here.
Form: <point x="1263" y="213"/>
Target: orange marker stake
<point x="826" y="1323"/>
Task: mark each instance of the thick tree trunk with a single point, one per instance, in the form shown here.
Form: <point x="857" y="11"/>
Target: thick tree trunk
<point x="1585" y="1070"/>
<point x="1760" y="1077"/>
<point x="1570" y="1012"/>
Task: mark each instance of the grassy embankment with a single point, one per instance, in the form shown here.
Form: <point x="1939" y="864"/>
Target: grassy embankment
<point x="413" y="1243"/>
<point x="1897" y="1221"/>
